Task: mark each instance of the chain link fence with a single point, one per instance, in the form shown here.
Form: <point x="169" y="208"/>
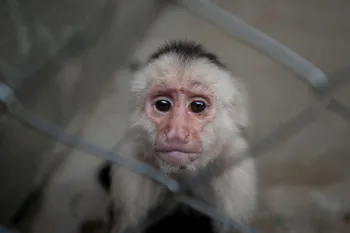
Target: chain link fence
<point x="320" y="87"/>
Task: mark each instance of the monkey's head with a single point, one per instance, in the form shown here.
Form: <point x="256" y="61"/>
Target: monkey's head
<point x="189" y="106"/>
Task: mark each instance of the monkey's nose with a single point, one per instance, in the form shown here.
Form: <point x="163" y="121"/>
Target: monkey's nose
<point x="177" y="135"/>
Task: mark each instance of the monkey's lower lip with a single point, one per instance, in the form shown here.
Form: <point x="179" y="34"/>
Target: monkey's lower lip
<point x="177" y="158"/>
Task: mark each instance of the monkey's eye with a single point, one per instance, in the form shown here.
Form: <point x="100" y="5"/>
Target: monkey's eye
<point x="162" y="105"/>
<point x="197" y="106"/>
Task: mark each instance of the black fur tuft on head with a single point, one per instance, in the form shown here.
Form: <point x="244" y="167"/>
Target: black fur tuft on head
<point x="188" y="50"/>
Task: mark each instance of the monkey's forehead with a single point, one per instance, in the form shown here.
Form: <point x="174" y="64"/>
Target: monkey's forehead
<point x="172" y="70"/>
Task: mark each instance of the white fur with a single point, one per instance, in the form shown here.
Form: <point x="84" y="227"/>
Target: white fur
<point x="235" y="191"/>
<point x="134" y="195"/>
<point x="72" y="197"/>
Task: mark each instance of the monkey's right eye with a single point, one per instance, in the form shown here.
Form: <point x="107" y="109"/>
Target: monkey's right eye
<point x="162" y="105"/>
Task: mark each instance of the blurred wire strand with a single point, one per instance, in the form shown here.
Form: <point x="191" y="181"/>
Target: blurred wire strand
<point x="281" y="133"/>
<point x="316" y="78"/>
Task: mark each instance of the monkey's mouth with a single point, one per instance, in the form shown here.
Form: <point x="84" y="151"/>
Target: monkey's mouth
<point x="177" y="158"/>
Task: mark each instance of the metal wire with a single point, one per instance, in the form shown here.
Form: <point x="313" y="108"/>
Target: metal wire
<point x="268" y="46"/>
<point x="315" y="77"/>
<point x="280" y="134"/>
<point x="276" y="137"/>
<point x="19" y="112"/>
<point x="39" y="123"/>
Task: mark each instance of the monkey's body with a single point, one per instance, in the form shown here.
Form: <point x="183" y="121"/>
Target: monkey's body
<point x="134" y="196"/>
<point x="187" y="111"/>
<point x="182" y="219"/>
<point x="175" y="75"/>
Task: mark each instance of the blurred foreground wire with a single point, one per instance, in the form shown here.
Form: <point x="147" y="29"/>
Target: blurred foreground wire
<point x="316" y="78"/>
<point x="15" y="109"/>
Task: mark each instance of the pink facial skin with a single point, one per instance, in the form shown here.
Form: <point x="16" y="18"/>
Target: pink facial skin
<point x="178" y="141"/>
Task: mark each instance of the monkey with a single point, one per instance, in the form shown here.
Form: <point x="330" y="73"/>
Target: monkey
<point x="187" y="109"/>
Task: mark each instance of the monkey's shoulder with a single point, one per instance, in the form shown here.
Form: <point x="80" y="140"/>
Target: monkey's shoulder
<point x="105" y="170"/>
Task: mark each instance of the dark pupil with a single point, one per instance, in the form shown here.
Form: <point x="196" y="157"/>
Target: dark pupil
<point x="163" y="105"/>
<point x="197" y="106"/>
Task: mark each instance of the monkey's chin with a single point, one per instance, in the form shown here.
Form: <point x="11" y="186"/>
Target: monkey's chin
<point x="177" y="158"/>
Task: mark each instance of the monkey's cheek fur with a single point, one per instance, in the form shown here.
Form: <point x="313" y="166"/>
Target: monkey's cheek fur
<point x="177" y="158"/>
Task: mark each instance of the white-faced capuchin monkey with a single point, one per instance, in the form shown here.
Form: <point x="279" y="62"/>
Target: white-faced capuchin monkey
<point x="187" y="110"/>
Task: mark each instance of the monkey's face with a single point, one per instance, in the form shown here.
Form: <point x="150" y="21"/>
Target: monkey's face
<point x="180" y="111"/>
<point x="185" y="108"/>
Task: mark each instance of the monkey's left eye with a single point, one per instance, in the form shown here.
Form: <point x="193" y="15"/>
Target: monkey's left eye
<point x="197" y="106"/>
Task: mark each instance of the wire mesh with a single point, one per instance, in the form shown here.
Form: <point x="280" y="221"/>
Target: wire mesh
<point x="179" y="186"/>
<point x="279" y="135"/>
